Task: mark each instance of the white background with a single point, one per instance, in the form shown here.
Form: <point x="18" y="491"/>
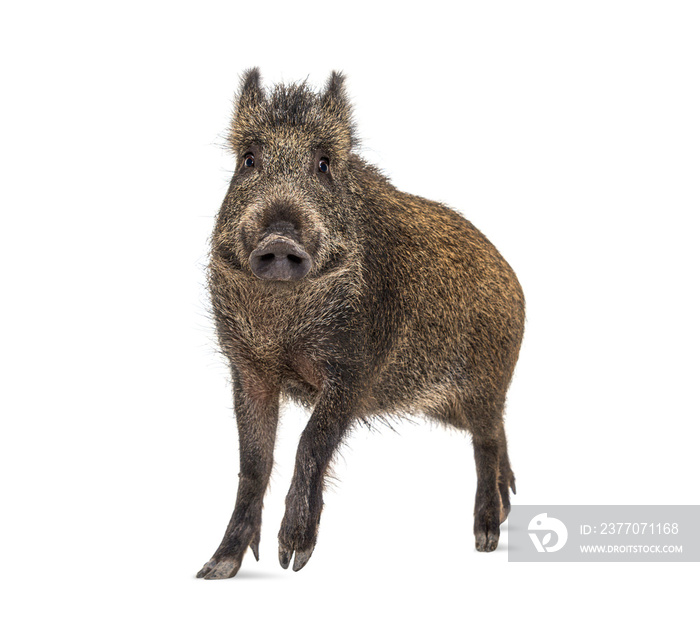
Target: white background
<point x="567" y="131"/>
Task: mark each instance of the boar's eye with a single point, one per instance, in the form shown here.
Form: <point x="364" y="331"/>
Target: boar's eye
<point x="249" y="160"/>
<point x="324" y="164"/>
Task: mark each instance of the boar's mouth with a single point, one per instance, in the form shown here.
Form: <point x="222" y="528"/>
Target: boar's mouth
<point x="279" y="258"/>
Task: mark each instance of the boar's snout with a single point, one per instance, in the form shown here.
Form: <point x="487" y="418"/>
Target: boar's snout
<point x="279" y="257"/>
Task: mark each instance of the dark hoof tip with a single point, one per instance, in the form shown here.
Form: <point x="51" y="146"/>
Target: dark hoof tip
<point x="285" y="557"/>
<point x="301" y="558"/>
<point x="224" y="568"/>
<point x="486" y="542"/>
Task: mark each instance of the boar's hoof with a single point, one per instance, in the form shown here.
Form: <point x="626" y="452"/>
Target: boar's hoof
<point x="487" y="540"/>
<point x="300" y="557"/>
<point x="285" y="557"/>
<point x="223" y="568"/>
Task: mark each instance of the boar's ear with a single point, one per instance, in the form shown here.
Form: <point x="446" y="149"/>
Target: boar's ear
<point x="251" y="92"/>
<point x="339" y="111"/>
<point x="242" y="131"/>
<point x="335" y="90"/>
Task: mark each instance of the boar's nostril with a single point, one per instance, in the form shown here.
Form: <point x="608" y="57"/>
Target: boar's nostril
<point x="280" y="259"/>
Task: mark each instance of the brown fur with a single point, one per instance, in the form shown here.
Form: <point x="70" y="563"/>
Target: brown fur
<point x="407" y="308"/>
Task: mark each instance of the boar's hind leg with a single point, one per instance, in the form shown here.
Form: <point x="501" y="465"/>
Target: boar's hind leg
<point x="487" y="508"/>
<point x="493" y="474"/>
<point x="329" y="422"/>
<point x="256" y="418"/>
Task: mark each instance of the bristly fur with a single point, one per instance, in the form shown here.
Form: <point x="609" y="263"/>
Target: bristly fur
<point x="402" y="307"/>
<point x="258" y="114"/>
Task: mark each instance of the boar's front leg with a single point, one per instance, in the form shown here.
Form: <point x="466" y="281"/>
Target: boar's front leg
<point x="330" y="421"/>
<point x="257" y="409"/>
